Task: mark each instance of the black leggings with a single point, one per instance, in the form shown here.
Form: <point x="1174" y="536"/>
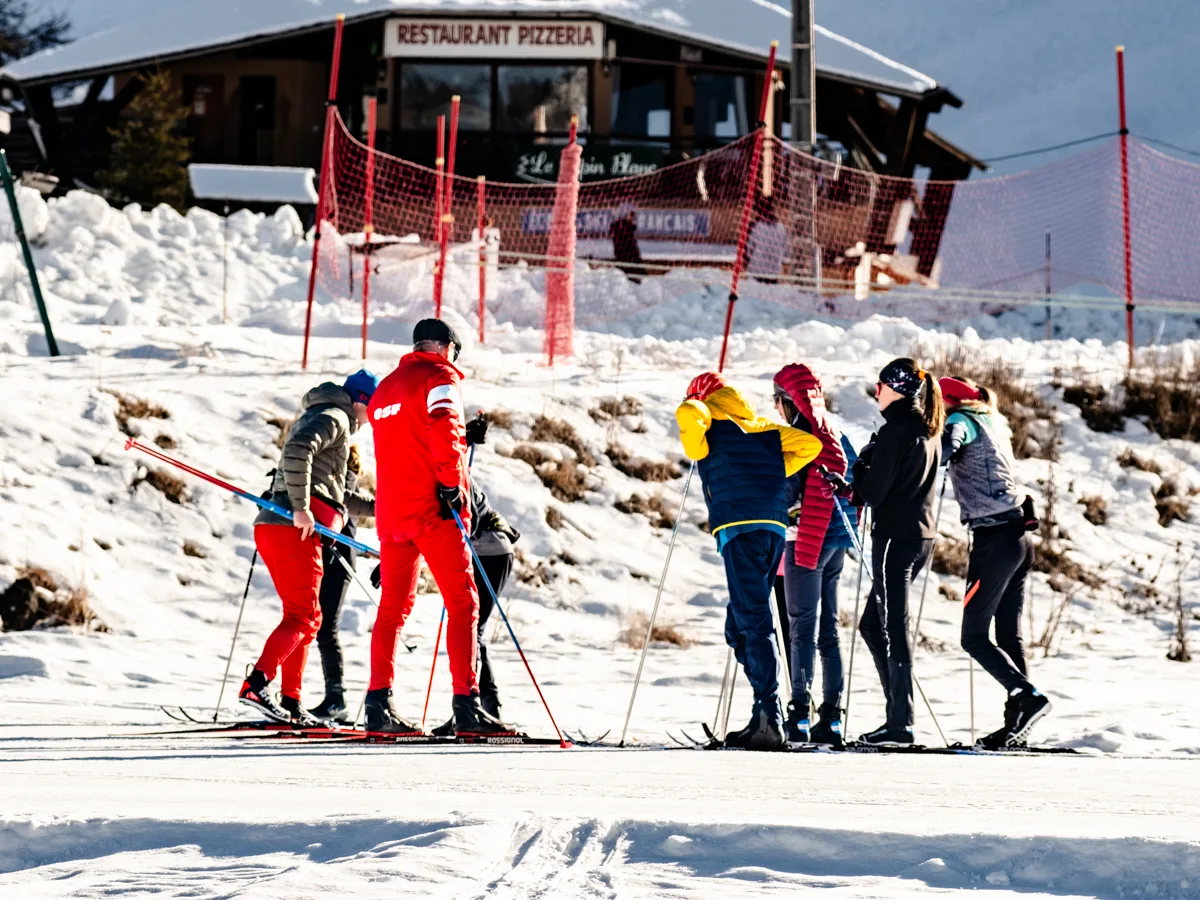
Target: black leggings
<point x="335" y="582"/>
<point x="895" y="562"/>
<point x="497" y="569"/>
<point x="1000" y="561"/>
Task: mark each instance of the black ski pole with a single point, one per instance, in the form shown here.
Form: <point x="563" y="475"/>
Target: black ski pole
<point x="233" y="644"/>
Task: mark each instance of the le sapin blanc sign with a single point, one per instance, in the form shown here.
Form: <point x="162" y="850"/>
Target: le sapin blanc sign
<point x="541" y="166"/>
<point x="494" y="38"/>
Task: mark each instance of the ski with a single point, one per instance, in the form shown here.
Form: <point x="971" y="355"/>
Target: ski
<point x="584" y="741"/>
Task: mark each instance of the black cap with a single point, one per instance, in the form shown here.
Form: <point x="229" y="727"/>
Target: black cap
<point x="437" y="331"/>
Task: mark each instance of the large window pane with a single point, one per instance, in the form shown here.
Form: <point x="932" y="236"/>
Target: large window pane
<point x="426" y="89"/>
<point x="541" y="98"/>
<point x="721" y="106"/>
<point x="642" y="101"/>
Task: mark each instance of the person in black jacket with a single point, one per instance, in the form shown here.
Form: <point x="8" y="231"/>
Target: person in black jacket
<point x="895" y="476"/>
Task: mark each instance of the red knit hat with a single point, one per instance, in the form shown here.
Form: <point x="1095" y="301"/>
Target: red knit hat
<point x="956" y="392"/>
<point x="705" y="385"/>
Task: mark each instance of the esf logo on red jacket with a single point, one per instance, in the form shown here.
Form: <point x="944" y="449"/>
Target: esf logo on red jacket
<point x="384" y="411"/>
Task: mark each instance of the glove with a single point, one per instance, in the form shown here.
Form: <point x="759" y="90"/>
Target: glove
<point x="868" y="451"/>
<point x="840" y="485"/>
<point x="376" y="578"/>
<point x="477" y="430"/>
<point x="1029" y="515"/>
<point x="450" y="499"/>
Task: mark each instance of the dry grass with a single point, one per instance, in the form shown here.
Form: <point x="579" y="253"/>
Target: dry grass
<point x="653" y="508"/>
<point x="170" y="486"/>
<point x="1030" y="416"/>
<point x="72" y="608"/>
<point x="1171" y="506"/>
<point x="166" y="442"/>
<point x="949" y="593"/>
<point x="39" y="577"/>
<point x="1163" y="391"/>
<point x="1095" y="509"/>
<point x="1052" y="561"/>
<point x="931" y="644"/>
<point x="556" y="431"/>
<point x="642" y="469"/>
<point x="611" y="408"/>
<point x="499" y="418"/>
<point x="565" y="480"/>
<point x="950" y="556"/>
<point x="634" y="633"/>
<point x="283" y="425"/>
<point x="101" y="543"/>
<point x="193" y="550"/>
<point x="130" y="407"/>
<point x="35" y="600"/>
<point x="554" y="518"/>
<point x="1130" y="460"/>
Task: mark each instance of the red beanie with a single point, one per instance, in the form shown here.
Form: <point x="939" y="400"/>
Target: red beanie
<point x="705" y="385"/>
<point x="957" y="392"/>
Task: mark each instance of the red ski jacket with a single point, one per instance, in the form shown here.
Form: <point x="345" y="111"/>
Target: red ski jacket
<point x="417" y="419"/>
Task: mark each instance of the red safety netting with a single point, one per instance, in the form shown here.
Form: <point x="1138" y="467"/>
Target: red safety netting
<point x="821" y="238"/>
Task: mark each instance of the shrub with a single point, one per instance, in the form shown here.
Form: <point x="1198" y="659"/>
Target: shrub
<point x="35" y="600"/>
<point x="191" y="549"/>
<point x="1095" y="509"/>
<point x="564" y="479"/>
<point x="1170" y="505"/>
<point x="653" y="508"/>
<point x="166" y="442"/>
<point x="129" y="407"/>
<point x="642" y="469"/>
<point x="1163" y="391"/>
<point x="556" y="431"/>
<point x="500" y="418"/>
<point x="170" y="486"/>
<point x="554" y="518"/>
<point x="615" y="407"/>
<point x="1130" y="460"/>
<point x="634" y="633"/>
<point x="950" y="556"/>
<point x="283" y="425"/>
<point x="150" y="150"/>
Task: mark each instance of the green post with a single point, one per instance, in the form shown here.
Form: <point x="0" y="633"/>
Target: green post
<point x="6" y="176"/>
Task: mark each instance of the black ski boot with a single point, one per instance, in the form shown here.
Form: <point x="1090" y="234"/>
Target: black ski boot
<point x="998" y="739"/>
<point x="301" y="717"/>
<point x="470" y="718"/>
<point x="764" y="732"/>
<point x="828" y="729"/>
<point x="332" y="709"/>
<point x="490" y="703"/>
<point x="446" y="729"/>
<point x="1029" y="707"/>
<point x="883" y="736"/>
<point x="254" y="693"/>
<point x="797" y="723"/>
<point x="382" y="717"/>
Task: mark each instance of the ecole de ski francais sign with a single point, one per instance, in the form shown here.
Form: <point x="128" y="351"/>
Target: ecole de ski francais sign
<point x="494" y="38"/>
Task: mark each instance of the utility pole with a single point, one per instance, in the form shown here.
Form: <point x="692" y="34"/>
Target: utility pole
<point x="804" y="77"/>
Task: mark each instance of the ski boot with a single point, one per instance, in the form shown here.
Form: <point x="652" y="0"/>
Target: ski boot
<point x="490" y="703"/>
<point x="884" y="736"/>
<point x="254" y="693"/>
<point x="998" y="739"/>
<point x="446" y="729"/>
<point x="471" y="719"/>
<point x="797" y="723"/>
<point x="764" y="732"/>
<point x="300" y="717"/>
<point x="382" y="717"/>
<point x="828" y="729"/>
<point x="332" y="709"/>
<point x="1029" y="705"/>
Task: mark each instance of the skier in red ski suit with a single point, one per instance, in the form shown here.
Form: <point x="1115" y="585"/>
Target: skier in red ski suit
<point x="420" y="448"/>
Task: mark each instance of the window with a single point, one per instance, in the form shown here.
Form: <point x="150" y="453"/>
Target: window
<point x="642" y="101"/>
<point x="721" y="106"/>
<point x="541" y="98"/>
<point x="426" y="89"/>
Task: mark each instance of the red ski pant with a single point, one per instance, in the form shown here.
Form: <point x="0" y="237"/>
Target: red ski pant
<point x="296" y="568"/>
<point x="449" y="560"/>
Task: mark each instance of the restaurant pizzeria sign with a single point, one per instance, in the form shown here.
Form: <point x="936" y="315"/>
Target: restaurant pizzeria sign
<point x="494" y="39"/>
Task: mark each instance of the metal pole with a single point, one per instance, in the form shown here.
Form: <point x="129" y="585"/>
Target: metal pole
<point x="721" y="696"/>
<point x="1049" y="326"/>
<point x="447" y="226"/>
<point x="225" y="266"/>
<point x="854" y="624"/>
<point x="637" y="679"/>
<point x="785" y="669"/>
<point x="1125" y="202"/>
<point x="937" y="519"/>
<point x="481" y="183"/>
<point x="326" y="174"/>
<point x="233" y="644"/>
<point x="971" y="659"/>
<point x="19" y="229"/>
<point x="439" y="164"/>
<point x="804" y="77"/>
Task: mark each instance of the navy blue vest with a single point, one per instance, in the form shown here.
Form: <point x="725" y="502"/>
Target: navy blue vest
<point x="743" y="476"/>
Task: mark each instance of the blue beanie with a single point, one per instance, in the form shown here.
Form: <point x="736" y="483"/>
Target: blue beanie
<point x="361" y="386"/>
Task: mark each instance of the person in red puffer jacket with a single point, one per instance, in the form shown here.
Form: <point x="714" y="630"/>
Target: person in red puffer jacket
<point x="420" y="448"/>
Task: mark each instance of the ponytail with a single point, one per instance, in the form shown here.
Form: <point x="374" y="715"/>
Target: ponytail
<point x="935" y="408"/>
<point x="988" y="397"/>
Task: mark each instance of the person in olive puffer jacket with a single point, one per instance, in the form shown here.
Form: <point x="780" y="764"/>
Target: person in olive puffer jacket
<point x="311" y="482"/>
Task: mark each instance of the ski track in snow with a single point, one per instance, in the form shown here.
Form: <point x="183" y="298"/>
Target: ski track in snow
<point x="87" y="810"/>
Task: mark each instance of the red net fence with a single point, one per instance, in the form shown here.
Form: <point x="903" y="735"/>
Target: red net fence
<point x="654" y="252"/>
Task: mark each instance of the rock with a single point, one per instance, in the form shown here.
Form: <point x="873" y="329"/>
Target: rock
<point x="19" y="606"/>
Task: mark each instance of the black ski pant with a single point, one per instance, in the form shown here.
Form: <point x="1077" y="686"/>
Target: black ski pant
<point x="895" y="562"/>
<point x="335" y="582"/>
<point x="1000" y="561"/>
<point x="497" y="570"/>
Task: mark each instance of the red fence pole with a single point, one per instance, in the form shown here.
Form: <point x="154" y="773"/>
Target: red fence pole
<point x="447" y="223"/>
<point x="1125" y="202"/>
<point x="482" y="185"/>
<point x="368" y="227"/>
<point x="326" y="174"/>
<point x="748" y="206"/>
<point x="440" y="165"/>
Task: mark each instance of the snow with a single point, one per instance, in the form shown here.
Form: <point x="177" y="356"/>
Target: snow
<point x="92" y="807"/>
<point x="138" y="33"/>
<point x="262" y="184"/>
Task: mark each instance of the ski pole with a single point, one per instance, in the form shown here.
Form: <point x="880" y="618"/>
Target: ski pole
<point x="937" y="519"/>
<point x="970" y="659"/>
<point x="133" y="444"/>
<point x="411" y="648"/>
<point x="785" y="668"/>
<point x="729" y="699"/>
<point x="437" y="643"/>
<point x="563" y="742"/>
<point x="657" y="599"/>
<point x="857" y="599"/>
<point x="721" y="696"/>
<point x="233" y="644"/>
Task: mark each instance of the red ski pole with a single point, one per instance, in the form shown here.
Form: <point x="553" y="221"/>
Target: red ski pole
<point x="437" y="643"/>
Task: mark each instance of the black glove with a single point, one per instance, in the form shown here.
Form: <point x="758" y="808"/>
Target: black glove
<point x="376" y="577"/>
<point x="477" y="430"/>
<point x="840" y="485"/>
<point x="496" y="522"/>
<point x="450" y="499"/>
<point x="868" y="451"/>
<point x="1029" y="515"/>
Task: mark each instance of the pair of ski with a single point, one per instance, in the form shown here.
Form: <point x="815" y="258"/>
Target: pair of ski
<point x="712" y="742"/>
<point x="339" y="734"/>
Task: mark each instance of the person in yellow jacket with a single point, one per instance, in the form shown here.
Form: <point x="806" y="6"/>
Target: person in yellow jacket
<point x="744" y="462"/>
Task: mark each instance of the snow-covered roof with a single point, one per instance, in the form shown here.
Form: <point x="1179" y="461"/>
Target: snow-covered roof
<point x="187" y="26"/>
